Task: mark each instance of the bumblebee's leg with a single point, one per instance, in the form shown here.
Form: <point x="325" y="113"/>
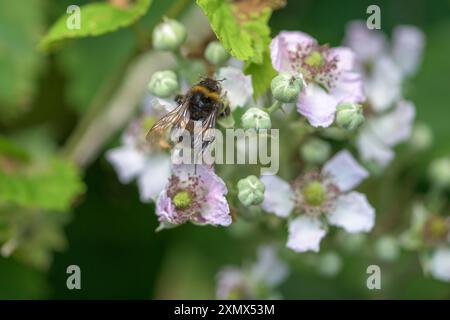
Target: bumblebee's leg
<point x="225" y="112"/>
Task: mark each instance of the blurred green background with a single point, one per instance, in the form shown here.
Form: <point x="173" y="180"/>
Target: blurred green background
<point x="110" y="233"/>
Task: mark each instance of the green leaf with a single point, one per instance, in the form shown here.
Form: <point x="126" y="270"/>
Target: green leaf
<point x="10" y="150"/>
<point x="247" y="38"/>
<point x="21" y="26"/>
<point x="262" y="74"/>
<point x="95" y="19"/>
<point x="31" y="236"/>
<point x="52" y="187"/>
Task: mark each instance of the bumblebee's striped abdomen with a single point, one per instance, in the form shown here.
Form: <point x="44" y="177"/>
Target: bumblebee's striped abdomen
<point x="206" y="92"/>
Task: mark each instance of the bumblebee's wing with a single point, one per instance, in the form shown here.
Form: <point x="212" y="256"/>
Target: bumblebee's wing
<point x="178" y="117"/>
<point x="207" y="136"/>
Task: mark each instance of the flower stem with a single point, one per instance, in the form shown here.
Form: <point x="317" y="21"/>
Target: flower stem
<point x="274" y="107"/>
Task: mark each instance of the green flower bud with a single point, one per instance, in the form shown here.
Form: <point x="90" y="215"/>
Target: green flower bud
<point x="286" y="87"/>
<point x="250" y="191"/>
<point x="163" y="84"/>
<point x="216" y="54"/>
<point x="387" y="248"/>
<point x="330" y="264"/>
<point x="315" y="151"/>
<point x="349" y="116"/>
<point x="182" y="200"/>
<point x="439" y="172"/>
<point x="255" y="118"/>
<point x="421" y="137"/>
<point x="169" y="35"/>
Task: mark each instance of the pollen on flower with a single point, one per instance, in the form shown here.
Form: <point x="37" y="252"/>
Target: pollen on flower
<point x="315" y="193"/>
<point x="436" y="230"/>
<point x="182" y="200"/>
<point x="316" y="63"/>
<point x="315" y="60"/>
<point x="187" y="196"/>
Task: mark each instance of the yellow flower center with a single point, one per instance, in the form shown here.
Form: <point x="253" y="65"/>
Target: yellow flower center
<point x="182" y="200"/>
<point x="315" y="59"/>
<point x="314" y="193"/>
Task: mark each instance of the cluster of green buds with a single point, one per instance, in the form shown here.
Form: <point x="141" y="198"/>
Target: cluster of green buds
<point x="169" y="35"/>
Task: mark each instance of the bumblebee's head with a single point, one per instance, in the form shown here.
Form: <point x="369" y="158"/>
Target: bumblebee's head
<point x="211" y="84"/>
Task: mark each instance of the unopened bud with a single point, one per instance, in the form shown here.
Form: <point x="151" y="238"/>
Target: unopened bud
<point x="169" y="35"/>
<point x="216" y="54"/>
<point x="286" y="87"/>
<point x="439" y="172"/>
<point x="349" y="116"/>
<point x="251" y="191"/>
<point x="163" y="84"/>
<point x="315" y="151"/>
<point x="255" y="118"/>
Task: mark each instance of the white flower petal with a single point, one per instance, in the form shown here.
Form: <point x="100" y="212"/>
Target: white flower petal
<point x="347" y="173"/>
<point x="371" y="148"/>
<point x="395" y="126"/>
<point x="305" y="234"/>
<point x="440" y="264"/>
<point x="384" y="85"/>
<point x="408" y="46"/>
<point x="284" y="42"/>
<point x="318" y="106"/>
<point x="367" y="44"/>
<point x="349" y="88"/>
<point x="345" y="58"/>
<point x="269" y="269"/>
<point x="127" y="161"/>
<point x="154" y="177"/>
<point x="278" y="196"/>
<point x="353" y="213"/>
<point x="237" y="86"/>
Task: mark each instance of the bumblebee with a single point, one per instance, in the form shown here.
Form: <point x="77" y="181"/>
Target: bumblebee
<point x="203" y="103"/>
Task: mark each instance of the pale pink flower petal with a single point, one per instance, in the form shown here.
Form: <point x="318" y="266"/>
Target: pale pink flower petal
<point x="345" y="56"/>
<point x="352" y="212"/>
<point x="154" y="177"/>
<point x="371" y="148"/>
<point x="318" y="106"/>
<point x="237" y="86"/>
<point x="440" y="264"/>
<point x="127" y="161"/>
<point x="209" y="205"/>
<point x="367" y="44"/>
<point x="408" y="44"/>
<point x="305" y="234"/>
<point x="395" y="126"/>
<point x="349" y="88"/>
<point x="278" y="196"/>
<point x="345" y="171"/>
<point x="384" y="86"/>
<point x="282" y="43"/>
